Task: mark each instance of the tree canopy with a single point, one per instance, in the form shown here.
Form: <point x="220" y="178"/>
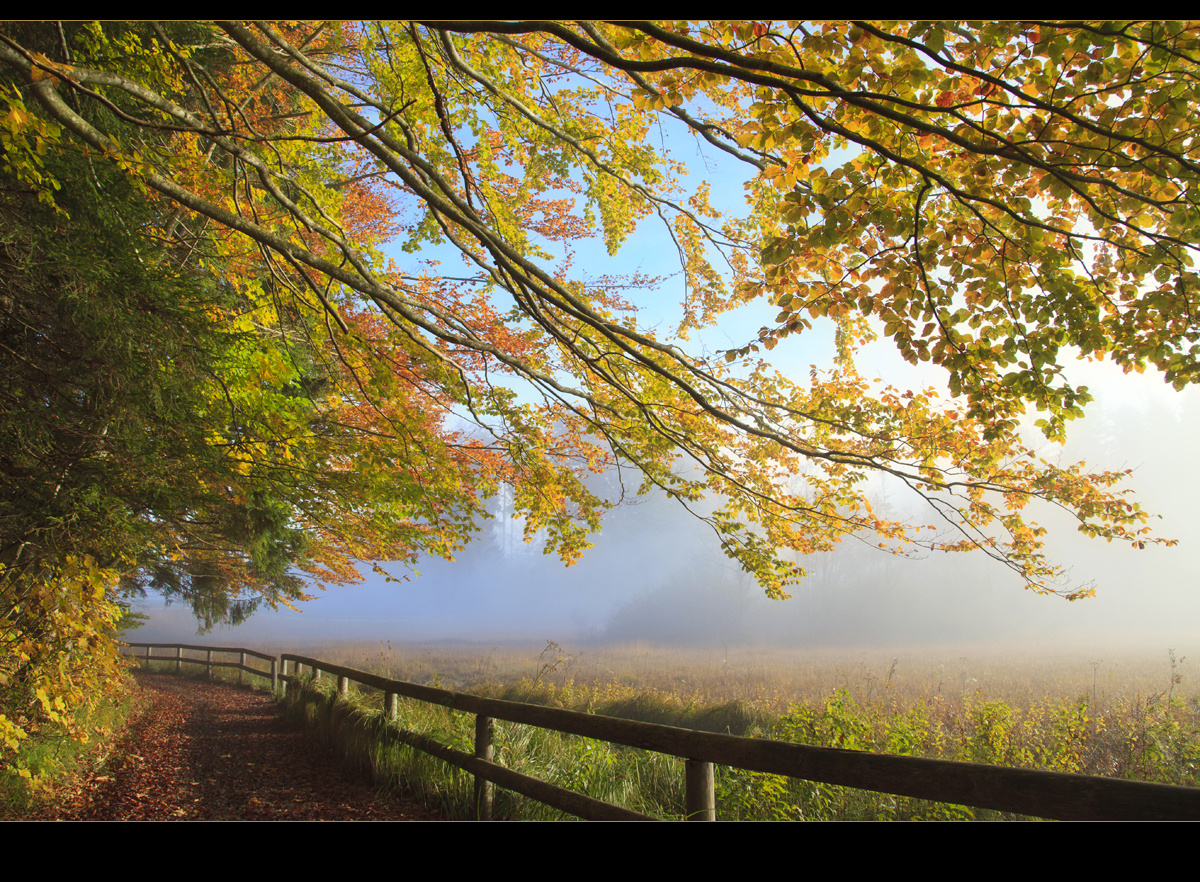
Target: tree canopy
<point x="270" y="389"/>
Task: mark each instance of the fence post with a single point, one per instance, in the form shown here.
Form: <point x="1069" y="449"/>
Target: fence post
<point x="274" y="677"/>
<point x="147" y="658"/>
<point x="389" y="707"/>
<point x="242" y="662"/>
<point x="701" y="799"/>
<point x="343" y="686"/>
<point x="178" y="656"/>
<point x="483" y="751"/>
<point x="208" y="663"/>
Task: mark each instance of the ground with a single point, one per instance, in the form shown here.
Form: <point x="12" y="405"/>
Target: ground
<point x="201" y="751"/>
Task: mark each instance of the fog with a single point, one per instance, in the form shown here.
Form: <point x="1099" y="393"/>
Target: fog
<point x="657" y="575"/>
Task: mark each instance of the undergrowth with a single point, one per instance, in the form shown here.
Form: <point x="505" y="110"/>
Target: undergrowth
<point x="52" y="755"/>
<point x="353" y="724"/>
<point x="1147" y="739"/>
<point x="1150" y="738"/>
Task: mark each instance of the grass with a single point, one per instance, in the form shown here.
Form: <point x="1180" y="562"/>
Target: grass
<point x="1080" y="718"/>
<point x="1129" y="718"/>
<point x="50" y="759"/>
<point x="353" y="724"/>
<point x="192" y="663"/>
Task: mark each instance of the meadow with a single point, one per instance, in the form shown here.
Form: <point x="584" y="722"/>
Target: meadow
<point x="1135" y="716"/>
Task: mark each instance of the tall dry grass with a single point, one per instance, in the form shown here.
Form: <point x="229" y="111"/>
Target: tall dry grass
<point x="1131" y="717"/>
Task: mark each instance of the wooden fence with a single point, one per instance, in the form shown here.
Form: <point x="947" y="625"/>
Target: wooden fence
<point x="180" y="659"/>
<point x="1052" y="795"/>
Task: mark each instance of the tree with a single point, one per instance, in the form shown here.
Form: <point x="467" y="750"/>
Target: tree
<point x="103" y="359"/>
<point x="169" y="422"/>
<point x="222" y="380"/>
<point x="993" y="198"/>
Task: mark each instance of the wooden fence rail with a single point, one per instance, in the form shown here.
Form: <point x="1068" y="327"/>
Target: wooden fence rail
<point x="1022" y="791"/>
<point x="180" y="659"/>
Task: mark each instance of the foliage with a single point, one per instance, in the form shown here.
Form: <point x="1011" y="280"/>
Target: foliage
<point x="1134" y="737"/>
<point x="60" y="658"/>
<point x="236" y="384"/>
<point x="992" y="197"/>
<point x="50" y="762"/>
<point x="101" y="351"/>
<point x="170" y="424"/>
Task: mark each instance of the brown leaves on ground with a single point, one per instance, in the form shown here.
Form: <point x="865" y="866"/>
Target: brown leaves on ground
<point x="207" y="752"/>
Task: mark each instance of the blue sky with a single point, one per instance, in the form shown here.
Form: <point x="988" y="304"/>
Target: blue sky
<point x="1137" y="421"/>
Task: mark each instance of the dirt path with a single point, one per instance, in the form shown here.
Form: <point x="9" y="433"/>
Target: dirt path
<point x="207" y="752"/>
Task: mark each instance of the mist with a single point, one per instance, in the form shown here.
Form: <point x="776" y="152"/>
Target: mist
<point x="657" y="575"/>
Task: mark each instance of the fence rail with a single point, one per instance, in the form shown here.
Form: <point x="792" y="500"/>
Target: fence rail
<point x="180" y="659"/>
<point x="1052" y="795"/>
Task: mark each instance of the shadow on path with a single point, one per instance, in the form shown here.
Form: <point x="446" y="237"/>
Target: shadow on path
<point x="207" y="752"/>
